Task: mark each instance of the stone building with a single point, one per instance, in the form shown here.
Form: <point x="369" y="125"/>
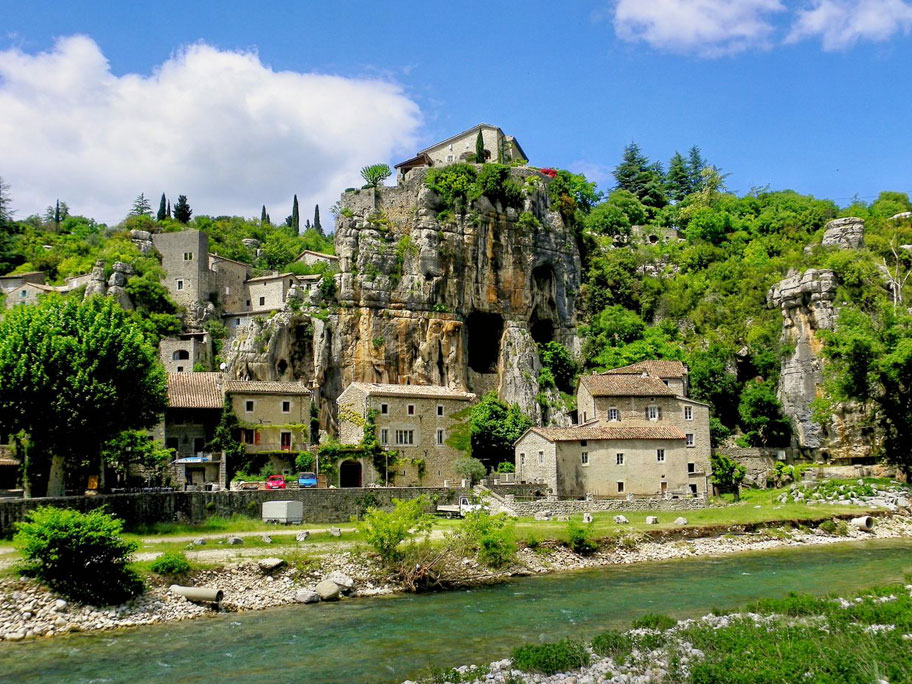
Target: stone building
<point x="415" y="420"/>
<point x="274" y="419"/>
<point x="641" y="437"/>
<point x="312" y="258"/>
<point x="182" y="354"/>
<point x="268" y="293"/>
<point x="10" y="282"/>
<point x="27" y="293"/>
<point x="499" y="147"/>
<point x="185" y="258"/>
<point x="228" y="283"/>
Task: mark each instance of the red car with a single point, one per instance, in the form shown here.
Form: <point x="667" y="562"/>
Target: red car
<point x="275" y="482"/>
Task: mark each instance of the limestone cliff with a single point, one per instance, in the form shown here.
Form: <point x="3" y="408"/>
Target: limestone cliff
<point x="430" y="296"/>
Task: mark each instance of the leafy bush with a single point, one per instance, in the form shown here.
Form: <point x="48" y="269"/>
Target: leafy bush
<point x="654" y="621"/>
<point x="490" y="536"/>
<point x="560" y="656"/>
<point x="613" y="644"/>
<point x="384" y="531"/>
<point x="469" y="468"/>
<point x="506" y="467"/>
<point x="81" y="555"/>
<point x="170" y="563"/>
<point x="579" y="538"/>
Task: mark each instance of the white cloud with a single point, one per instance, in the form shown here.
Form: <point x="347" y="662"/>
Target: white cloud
<point x="708" y="28"/>
<point x="217" y="126"/>
<point x="841" y="23"/>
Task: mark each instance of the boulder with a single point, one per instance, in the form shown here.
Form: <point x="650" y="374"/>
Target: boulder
<point x="302" y="536"/>
<point x="199" y="542"/>
<point x="543" y="515"/>
<point x="235" y="541"/>
<point x="587" y="517"/>
<point x="620" y="520"/>
<point x="60" y="605"/>
<point x="335" y="532"/>
<point x="327" y="590"/>
<point x="340" y="578"/>
<point x="681" y="521"/>
<point x="270" y="564"/>
<point x="307" y="596"/>
<point x="652" y="520"/>
<point x="267" y="539"/>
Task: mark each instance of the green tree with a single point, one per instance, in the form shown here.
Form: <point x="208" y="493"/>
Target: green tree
<point x="182" y="211"/>
<point x="560" y="362"/>
<point x="137" y="448"/>
<point x="295" y="217"/>
<point x="761" y="415"/>
<point x="317" y="226"/>
<point x="375" y="174"/>
<point x="480" y="152"/>
<point x="141" y="206"/>
<point x="492" y="428"/>
<point x="696" y="165"/>
<point x="72" y="375"/>
<point x="263" y="216"/>
<point x="162" y="209"/>
<point x="169" y="209"/>
<point x="226" y="439"/>
<point x="678" y="182"/>
<point x="470" y="469"/>
<point x="636" y="175"/>
<point x="727" y="474"/>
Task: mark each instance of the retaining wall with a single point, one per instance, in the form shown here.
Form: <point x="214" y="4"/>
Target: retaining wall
<point x="320" y="505"/>
<point x="570" y="507"/>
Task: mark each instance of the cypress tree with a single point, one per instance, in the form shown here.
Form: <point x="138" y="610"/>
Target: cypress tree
<point x="57" y="215"/>
<point x="316" y="224"/>
<point x="295" y="217"/>
<point x="162" y="211"/>
<point x="264" y="217"/>
<point x="479" y="148"/>
<point x="169" y="209"/>
<point x="268" y="220"/>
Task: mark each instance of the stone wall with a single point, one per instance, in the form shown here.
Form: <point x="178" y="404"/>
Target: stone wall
<point x="530" y="508"/>
<point x="320" y="505"/>
<point x="759" y="463"/>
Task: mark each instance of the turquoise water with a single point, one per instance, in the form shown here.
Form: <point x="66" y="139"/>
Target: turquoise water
<point x="394" y="638"/>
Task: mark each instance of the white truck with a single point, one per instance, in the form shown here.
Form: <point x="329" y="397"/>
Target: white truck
<point x="459" y="510"/>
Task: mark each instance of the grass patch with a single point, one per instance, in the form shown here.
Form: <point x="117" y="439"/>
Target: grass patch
<point x="560" y="656"/>
<point x="654" y="621"/>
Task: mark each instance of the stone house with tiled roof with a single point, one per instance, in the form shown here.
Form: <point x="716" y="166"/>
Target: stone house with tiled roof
<point x="640" y="435"/>
<point x="414" y="420"/>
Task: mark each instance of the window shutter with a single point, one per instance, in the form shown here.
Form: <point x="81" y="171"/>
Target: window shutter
<point x="256" y="436"/>
<point x="659" y="412"/>
<point x="647" y="413"/>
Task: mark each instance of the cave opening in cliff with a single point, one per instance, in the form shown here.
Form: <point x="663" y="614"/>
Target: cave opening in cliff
<point x="484" y="331"/>
<point x="541" y="329"/>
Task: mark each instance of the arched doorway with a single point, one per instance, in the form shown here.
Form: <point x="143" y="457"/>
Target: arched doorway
<point x="350" y="474"/>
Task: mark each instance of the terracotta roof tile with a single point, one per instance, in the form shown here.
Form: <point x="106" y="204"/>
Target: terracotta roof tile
<point x="195" y="390"/>
<point x="596" y="432"/>
<point x="381" y="389"/>
<point x="657" y="369"/>
<point x="626" y="386"/>
<point x="265" y="387"/>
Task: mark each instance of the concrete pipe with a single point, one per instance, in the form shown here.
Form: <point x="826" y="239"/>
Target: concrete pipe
<point x="865" y="523"/>
<point x="199" y="594"/>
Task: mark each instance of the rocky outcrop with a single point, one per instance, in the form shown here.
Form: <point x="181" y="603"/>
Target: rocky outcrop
<point x="428" y="295"/>
<point x="96" y="284"/>
<point x="143" y="241"/>
<point x="115" y="286"/>
<point x="844" y="233"/>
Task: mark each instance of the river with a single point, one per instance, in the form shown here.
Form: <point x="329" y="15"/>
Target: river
<point x="394" y="638"/>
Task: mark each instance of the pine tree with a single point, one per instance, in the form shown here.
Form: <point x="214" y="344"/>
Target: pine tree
<point x="695" y="165"/>
<point x="162" y="211"/>
<point x="295" y="217"/>
<point x="316" y="224"/>
<point x="141" y="206"/>
<point x="677" y="181"/>
<point x="630" y="173"/>
<point x="182" y="211"/>
<point x="479" y="148"/>
<point x="268" y="220"/>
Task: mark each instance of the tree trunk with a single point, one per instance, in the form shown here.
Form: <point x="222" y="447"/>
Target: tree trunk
<point x="56" y="485"/>
<point x="22" y="455"/>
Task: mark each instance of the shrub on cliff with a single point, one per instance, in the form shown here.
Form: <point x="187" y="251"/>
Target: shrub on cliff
<point x="81" y="555"/>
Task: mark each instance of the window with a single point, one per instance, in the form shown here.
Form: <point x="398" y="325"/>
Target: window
<point x="411" y="409"/>
<point x="405" y="437"/>
<point x="688" y="413"/>
<point x="286" y="407"/>
<point x="440" y="437"/>
<point x="619" y="459"/>
<point x="180" y="355"/>
<point x="541" y="457"/>
<point x="180" y="369"/>
<point x="620" y="487"/>
<point x="584" y="458"/>
<point x="237" y="321"/>
<point x="262" y="301"/>
<point x="23" y="294"/>
<point x="180" y="285"/>
<point x="522" y="459"/>
<point x="384" y="436"/>
<point x="585" y="419"/>
<point x="188" y="256"/>
<point x="248" y="405"/>
<point x="439" y="410"/>
<point x="248" y="303"/>
<point x="614" y="414"/>
<point x="689" y="439"/>
<point x="384" y="409"/>
<point x="285" y="440"/>
<point x="691" y="467"/>
<point x="660" y="455"/>
<point x="247" y="436"/>
<point x="653" y="413"/>
<point x="693" y="489"/>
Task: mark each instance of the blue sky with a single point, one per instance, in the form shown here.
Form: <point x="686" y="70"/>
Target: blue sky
<point x="811" y="95"/>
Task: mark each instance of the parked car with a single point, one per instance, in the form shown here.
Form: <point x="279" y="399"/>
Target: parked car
<point x="307" y="479"/>
<point x="275" y="482"/>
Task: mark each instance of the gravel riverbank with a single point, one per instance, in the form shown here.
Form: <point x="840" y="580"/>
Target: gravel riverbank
<point x="28" y="610"/>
